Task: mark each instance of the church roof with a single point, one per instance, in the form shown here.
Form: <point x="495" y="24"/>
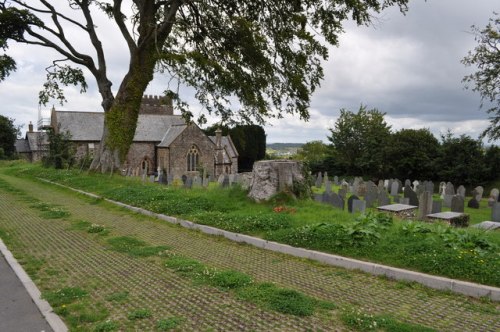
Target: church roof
<point x="88" y="126"/>
<point x="227" y="143"/>
<point x="172" y="133"/>
<point x="37" y="141"/>
<point x="22" y="145"/>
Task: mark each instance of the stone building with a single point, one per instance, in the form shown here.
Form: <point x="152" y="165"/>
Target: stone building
<point x="162" y="140"/>
<point x="33" y="146"/>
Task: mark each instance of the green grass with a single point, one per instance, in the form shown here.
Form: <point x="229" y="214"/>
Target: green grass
<point x="141" y="313"/>
<point x="169" y="323"/>
<point x="64" y="296"/>
<point x="134" y="247"/>
<point x="300" y="223"/>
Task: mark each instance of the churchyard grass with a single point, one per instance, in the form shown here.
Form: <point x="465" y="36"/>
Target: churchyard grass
<point x="465" y="254"/>
<point x="97" y="281"/>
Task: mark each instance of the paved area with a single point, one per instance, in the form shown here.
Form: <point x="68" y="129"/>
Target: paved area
<point x="18" y="312"/>
<point x="71" y="257"/>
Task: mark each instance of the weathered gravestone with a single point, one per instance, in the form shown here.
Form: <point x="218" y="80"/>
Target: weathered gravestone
<point x="170" y="179"/>
<point x="184" y="178"/>
<point x="336" y="180"/>
<point x="429" y="186"/>
<point x="328" y="186"/>
<point x="380" y="185"/>
<point x="337" y="201"/>
<point x="436" y="206"/>
<point x="383" y="198"/>
<point x="270" y="177"/>
<point x="450" y="189"/>
<point x="411" y="195"/>
<point x="415" y="184"/>
<point x="479" y="193"/>
<point x="394" y="188"/>
<point x="196" y="181"/>
<point x="189" y="183"/>
<point x="425" y="205"/>
<point x="420" y="190"/>
<point x="151" y="178"/>
<point x="319" y="180"/>
<point x="342" y="193"/>
<point x="349" y="202"/>
<point x="232" y="179"/>
<point x="400" y="186"/>
<point x="405" y="201"/>
<point x="447" y="200"/>
<point x="488" y="225"/>
<point x="473" y="203"/>
<point x="370" y="198"/>
<point x="205" y="182"/>
<point x="407" y="182"/>
<point x="495" y="212"/>
<point x="461" y="191"/>
<point x="457" y="204"/>
<point x="494" y="193"/>
<point x="442" y="189"/>
<point x="358" y="206"/>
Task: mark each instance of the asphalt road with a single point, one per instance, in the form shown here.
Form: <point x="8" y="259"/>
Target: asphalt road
<point x="18" y="312"/>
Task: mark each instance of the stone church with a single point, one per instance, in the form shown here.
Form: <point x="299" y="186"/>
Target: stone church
<point x="162" y="141"/>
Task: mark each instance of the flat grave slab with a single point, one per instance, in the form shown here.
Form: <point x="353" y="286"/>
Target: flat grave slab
<point x="397" y="207"/>
<point x="403" y="211"/>
<point x="488" y="225"/>
<point x="457" y="219"/>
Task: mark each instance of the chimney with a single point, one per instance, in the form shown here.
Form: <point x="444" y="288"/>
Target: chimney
<point x="30" y="127"/>
<point x="218" y="138"/>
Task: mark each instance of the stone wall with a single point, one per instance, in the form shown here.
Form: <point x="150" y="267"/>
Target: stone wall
<point x="140" y="152"/>
<point x="180" y="147"/>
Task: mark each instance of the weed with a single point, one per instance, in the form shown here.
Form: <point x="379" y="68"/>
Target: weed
<point x="169" y="323"/>
<point x="64" y="296"/>
<point x="134" y="247"/>
<point x="106" y="326"/>
<point x="139" y="314"/>
<point x="230" y="279"/>
<point x="361" y="321"/>
<point x="95" y="228"/>
<point x="117" y="297"/>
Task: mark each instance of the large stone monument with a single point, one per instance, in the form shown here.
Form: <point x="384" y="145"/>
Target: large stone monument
<point x="270" y="177"/>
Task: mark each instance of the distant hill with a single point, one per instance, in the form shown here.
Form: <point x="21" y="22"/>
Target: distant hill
<point x="283" y="149"/>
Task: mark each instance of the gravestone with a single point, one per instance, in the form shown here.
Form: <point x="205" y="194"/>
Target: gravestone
<point x="225" y="182"/>
<point x="461" y="191"/>
<point x="205" y="182"/>
<point x="425" y="205"/>
<point x="442" y="189"/>
<point x="411" y="195"/>
<point x="450" y="189"/>
<point x="415" y="184"/>
<point x="349" y="202"/>
<point x="196" y="181"/>
<point x="405" y="201"/>
<point x="336" y="180"/>
<point x="325" y="177"/>
<point x="457" y="204"/>
<point x="151" y="178"/>
<point x="407" y="182"/>
<point x="447" y="200"/>
<point x="436" y="206"/>
<point x="370" y="198"/>
<point x="170" y="179"/>
<point x="232" y="179"/>
<point x="380" y="185"/>
<point x="389" y="185"/>
<point x="362" y="188"/>
<point x="400" y="186"/>
<point x="488" y="225"/>
<point x="429" y="186"/>
<point x="220" y="180"/>
<point x="383" y="199"/>
<point x="494" y="193"/>
<point x="479" y="193"/>
<point x="495" y="212"/>
<point x="394" y="188"/>
<point x="184" y="178"/>
<point x="342" y="193"/>
<point x="473" y="203"/>
<point x="318" y="198"/>
<point x="420" y="190"/>
<point x="491" y="201"/>
<point x="358" y="206"/>
<point x="189" y="183"/>
<point x="345" y="186"/>
<point x="386" y="184"/>
<point x="319" y="180"/>
<point x="328" y="186"/>
<point x="337" y="201"/>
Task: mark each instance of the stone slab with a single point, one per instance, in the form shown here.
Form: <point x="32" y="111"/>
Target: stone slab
<point x="488" y="225"/>
<point x="397" y="207"/>
<point x="445" y="215"/>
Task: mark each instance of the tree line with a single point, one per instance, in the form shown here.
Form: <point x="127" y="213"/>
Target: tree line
<point x="363" y="144"/>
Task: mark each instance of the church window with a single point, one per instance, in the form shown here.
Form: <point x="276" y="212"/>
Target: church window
<point x="192" y="158"/>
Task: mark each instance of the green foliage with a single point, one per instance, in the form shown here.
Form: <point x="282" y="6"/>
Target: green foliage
<point x="64" y="296"/>
<point x="134" y="247"/>
<point x="361" y="321"/>
<point x="8" y="136"/>
<point x="139" y="314"/>
<point x="412" y="153"/>
<point x="105" y="326"/>
<point x="236" y="222"/>
<point x="61" y="153"/>
<point x="462" y="160"/>
<point x="486" y="57"/>
<point x="169" y="323"/>
<point x="117" y="297"/>
<point x="50" y="211"/>
<point x="358" y="141"/>
<point x="230" y="279"/>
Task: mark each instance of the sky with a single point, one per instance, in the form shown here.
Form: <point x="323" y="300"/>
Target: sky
<point x="407" y="66"/>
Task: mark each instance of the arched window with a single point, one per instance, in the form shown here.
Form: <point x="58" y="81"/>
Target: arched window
<point x="192" y="158"/>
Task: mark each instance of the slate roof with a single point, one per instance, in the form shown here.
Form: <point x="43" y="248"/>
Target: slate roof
<point x="88" y="126"/>
<point x="227" y="143"/>
<point x="172" y="133"/>
<point x="22" y="145"/>
<point x="37" y="141"/>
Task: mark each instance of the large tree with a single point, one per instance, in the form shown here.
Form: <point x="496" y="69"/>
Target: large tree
<point x="8" y="134"/>
<point x="266" y="54"/>
<point x="486" y="81"/>
<point x="359" y="141"/>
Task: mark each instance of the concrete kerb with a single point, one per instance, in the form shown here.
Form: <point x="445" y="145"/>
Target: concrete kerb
<point x="435" y="282"/>
<point x="52" y="319"/>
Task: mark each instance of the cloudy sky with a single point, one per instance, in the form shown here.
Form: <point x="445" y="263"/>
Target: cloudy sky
<point x="407" y="66"/>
